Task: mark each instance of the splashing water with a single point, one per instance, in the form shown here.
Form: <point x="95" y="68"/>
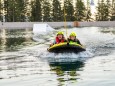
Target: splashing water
<point x="26" y="54"/>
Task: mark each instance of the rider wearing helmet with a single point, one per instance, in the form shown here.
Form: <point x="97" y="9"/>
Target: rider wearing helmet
<point x="72" y="38"/>
<point x="59" y="38"/>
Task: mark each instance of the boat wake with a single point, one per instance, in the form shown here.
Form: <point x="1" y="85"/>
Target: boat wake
<point x="97" y="43"/>
<point x="68" y="57"/>
<point x="29" y="57"/>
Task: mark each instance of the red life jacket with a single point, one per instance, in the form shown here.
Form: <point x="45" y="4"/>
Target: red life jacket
<point x="59" y="41"/>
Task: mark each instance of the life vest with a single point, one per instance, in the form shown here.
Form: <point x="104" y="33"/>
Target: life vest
<point x="59" y="41"/>
<point x="72" y="41"/>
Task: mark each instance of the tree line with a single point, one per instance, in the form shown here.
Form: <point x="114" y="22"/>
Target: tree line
<point x="53" y="10"/>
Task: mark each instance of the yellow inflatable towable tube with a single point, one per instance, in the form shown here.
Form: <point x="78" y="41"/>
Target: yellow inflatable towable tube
<point x="66" y="47"/>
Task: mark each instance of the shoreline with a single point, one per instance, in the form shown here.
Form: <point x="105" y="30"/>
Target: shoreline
<point x="23" y="25"/>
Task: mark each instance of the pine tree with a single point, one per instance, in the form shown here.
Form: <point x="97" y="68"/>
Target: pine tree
<point x="21" y="10"/>
<point x="27" y="10"/>
<point x="88" y="11"/>
<point x="102" y="11"/>
<point x="80" y="11"/>
<point x="0" y="10"/>
<point x="108" y="9"/>
<point x="69" y="10"/>
<point x="46" y="10"/>
<point x="15" y="10"/>
<point x="88" y="15"/>
<point x="36" y="13"/>
<point x="113" y="11"/>
<point x="9" y="6"/>
<point x="57" y="14"/>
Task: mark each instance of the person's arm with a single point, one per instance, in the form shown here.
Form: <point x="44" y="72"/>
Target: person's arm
<point x="53" y="43"/>
<point x="78" y="42"/>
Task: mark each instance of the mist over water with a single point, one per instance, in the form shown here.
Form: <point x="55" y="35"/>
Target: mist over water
<point x="24" y="56"/>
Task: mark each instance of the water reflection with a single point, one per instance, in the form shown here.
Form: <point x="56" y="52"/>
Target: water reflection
<point x="12" y="39"/>
<point x="66" y="72"/>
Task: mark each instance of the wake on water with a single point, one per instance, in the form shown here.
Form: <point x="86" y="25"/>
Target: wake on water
<point x="96" y="42"/>
<point x="28" y="59"/>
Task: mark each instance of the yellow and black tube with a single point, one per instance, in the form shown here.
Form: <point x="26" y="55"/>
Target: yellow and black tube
<point x="66" y="47"/>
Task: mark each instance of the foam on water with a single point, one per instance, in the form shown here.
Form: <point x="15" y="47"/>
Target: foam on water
<point x="68" y="57"/>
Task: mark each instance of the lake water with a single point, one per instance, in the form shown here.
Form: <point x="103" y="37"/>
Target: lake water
<point x="25" y="61"/>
